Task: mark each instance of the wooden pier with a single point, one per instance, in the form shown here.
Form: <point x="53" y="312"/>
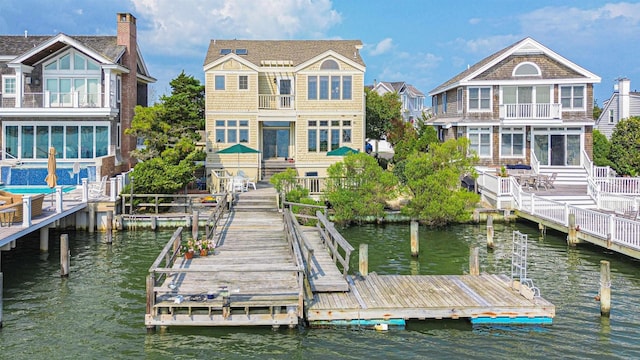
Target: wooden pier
<point x="268" y="270"/>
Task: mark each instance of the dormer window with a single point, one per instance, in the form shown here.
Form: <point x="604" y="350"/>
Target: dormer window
<point x="527" y="69"/>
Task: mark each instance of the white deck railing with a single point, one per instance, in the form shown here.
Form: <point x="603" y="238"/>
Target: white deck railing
<point x="47" y="99"/>
<point x="530" y="111"/>
<point x="276" y="102"/>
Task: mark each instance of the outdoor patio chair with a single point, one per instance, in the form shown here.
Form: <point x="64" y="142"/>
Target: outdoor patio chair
<point x="549" y="180"/>
<point x="97" y="190"/>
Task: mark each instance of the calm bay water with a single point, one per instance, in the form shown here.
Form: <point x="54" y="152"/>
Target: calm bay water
<point x="98" y="312"/>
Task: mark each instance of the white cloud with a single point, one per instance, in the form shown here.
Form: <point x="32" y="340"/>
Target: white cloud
<point x="382" y="47"/>
<point x="486" y="45"/>
<point x="185" y="27"/>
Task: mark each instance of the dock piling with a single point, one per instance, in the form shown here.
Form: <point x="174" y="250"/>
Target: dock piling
<point x="572" y="237"/>
<point x="64" y="255"/>
<point x="44" y="239"/>
<point x="363" y="264"/>
<point x="474" y="262"/>
<point x="490" y="231"/>
<point x="605" y="289"/>
<point x="415" y="244"/>
<point x="109" y="227"/>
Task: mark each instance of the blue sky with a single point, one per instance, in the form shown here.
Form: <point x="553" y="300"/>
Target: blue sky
<point x="421" y="42"/>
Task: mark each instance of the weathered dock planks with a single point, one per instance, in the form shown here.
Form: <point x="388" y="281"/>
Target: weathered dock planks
<point x="385" y="297"/>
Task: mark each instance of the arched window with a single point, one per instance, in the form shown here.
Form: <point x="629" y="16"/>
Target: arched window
<point x="527" y="69"/>
<point x="329" y="65"/>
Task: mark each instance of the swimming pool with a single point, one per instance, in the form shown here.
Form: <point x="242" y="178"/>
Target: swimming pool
<point x="33" y="189"/>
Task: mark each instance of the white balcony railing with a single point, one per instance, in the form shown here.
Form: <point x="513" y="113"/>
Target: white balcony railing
<point x="50" y="99"/>
<point x="276" y="102"/>
<point x="530" y="111"/>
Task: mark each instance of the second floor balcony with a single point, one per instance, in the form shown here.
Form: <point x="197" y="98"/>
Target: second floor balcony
<point x="531" y="111"/>
<point x="49" y="99"/>
<point x="276" y="102"/>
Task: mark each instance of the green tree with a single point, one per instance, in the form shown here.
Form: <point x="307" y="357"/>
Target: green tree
<point x="601" y="149"/>
<point x="169" y="128"/>
<point x="357" y="187"/>
<point x="625" y="146"/>
<point x="434" y="180"/>
<point x="597" y="110"/>
<point x="380" y="111"/>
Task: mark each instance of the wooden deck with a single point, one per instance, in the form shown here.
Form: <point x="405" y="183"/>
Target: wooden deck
<point x="324" y="275"/>
<point x="379" y="298"/>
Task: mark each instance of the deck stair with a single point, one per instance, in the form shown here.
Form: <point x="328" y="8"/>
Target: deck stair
<point x="566" y="175"/>
<point x="263" y="199"/>
<point x="582" y="201"/>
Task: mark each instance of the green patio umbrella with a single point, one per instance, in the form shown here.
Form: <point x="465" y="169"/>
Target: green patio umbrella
<point x="342" y="151"/>
<point x="238" y="149"/>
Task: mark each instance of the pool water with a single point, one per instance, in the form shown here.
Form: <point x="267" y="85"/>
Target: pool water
<point x="33" y="189"/>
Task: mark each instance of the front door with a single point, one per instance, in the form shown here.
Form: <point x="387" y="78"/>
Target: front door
<point x="275" y="143"/>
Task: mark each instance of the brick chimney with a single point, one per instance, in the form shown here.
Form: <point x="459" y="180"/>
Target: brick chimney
<point x="127" y="37"/>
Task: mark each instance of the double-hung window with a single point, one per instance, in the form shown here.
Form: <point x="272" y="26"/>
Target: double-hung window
<point x="243" y="82"/>
<point x="512" y="142"/>
<point x="479" y="99"/>
<point x="327" y="135"/>
<point x="329" y="87"/>
<point x="480" y="141"/>
<point x="572" y="97"/>
<point x="8" y="86"/>
<point x="232" y="131"/>
<point x="459" y="99"/>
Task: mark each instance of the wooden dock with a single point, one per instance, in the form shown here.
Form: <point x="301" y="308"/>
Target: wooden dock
<point x="380" y="298"/>
<point x="267" y="270"/>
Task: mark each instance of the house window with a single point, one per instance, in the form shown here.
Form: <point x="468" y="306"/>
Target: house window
<point x="219" y="82"/>
<point x="70" y="142"/>
<point x="459" y="99"/>
<point x="572" y="97"/>
<point x="312" y="88"/>
<point x="232" y="131"/>
<point x="512" y="142"/>
<point x="243" y="82"/>
<point x="329" y="87"/>
<point x="611" y="118"/>
<point x="479" y="98"/>
<point x="329" y="65"/>
<point x="526" y="69"/>
<point x="480" y="141"/>
<point x="9" y="86"/>
<point x="434" y="104"/>
<point x="444" y="103"/>
<point x="323" y="135"/>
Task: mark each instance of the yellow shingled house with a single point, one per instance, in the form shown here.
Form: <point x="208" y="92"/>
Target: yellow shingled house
<point x="292" y="100"/>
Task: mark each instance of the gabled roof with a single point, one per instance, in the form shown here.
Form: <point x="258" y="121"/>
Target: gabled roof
<point x="290" y="52"/>
<point x="524" y="46"/>
<point x="31" y="49"/>
<point x="399" y="87"/>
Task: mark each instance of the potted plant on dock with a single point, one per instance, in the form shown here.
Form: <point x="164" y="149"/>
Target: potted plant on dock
<point x="205" y="246"/>
<point x="189" y="249"/>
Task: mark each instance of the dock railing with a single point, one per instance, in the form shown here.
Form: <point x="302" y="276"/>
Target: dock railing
<point x="152" y="203"/>
<point x="300" y="246"/>
<point x="616" y="229"/>
<point x="166" y="258"/>
<point x="211" y="225"/>
<point x="338" y="246"/>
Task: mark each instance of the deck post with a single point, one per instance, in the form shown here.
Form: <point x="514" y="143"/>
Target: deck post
<point x="572" y="237"/>
<point x="44" y="239"/>
<point x="59" y="202"/>
<point x="415" y="244"/>
<point x="64" y="255"/>
<point x="194" y="225"/>
<point x="490" y="231"/>
<point x="605" y="289"/>
<point x="542" y="228"/>
<point x="109" y="227"/>
<point x="474" y="262"/>
<point x="154" y="223"/>
<point x="363" y="264"/>
<point x="1" y="287"/>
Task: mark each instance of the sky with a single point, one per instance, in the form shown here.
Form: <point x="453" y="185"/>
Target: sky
<point x="423" y="43"/>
